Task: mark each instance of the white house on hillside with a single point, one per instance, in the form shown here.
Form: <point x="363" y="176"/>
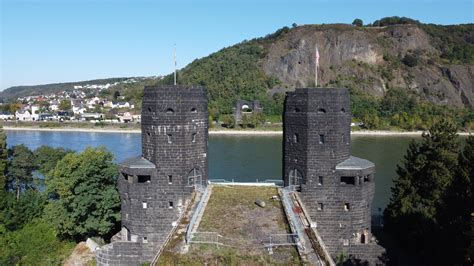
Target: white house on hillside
<point x="23" y="115"/>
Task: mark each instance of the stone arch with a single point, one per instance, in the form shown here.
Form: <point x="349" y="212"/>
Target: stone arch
<point x="241" y="106"/>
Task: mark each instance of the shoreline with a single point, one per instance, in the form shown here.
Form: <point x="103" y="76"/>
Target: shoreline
<point x="218" y="132"/>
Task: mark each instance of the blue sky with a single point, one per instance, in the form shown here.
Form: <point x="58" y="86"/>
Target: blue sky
<point x="46" y="41"/>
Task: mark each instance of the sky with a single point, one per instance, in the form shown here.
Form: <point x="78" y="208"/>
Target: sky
<point x="49" y="41"/>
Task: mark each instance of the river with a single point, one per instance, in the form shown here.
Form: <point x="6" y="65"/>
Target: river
<point x="241" y="158"/>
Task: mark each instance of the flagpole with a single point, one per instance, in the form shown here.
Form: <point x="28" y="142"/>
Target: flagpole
<point x="316" y="63"/>
<point x="175" y="64"/>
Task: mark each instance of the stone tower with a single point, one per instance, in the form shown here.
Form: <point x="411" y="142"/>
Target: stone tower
<point x="156" y="187"/>
<point x="336" y="188"/>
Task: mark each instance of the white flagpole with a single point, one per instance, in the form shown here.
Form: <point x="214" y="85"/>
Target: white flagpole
<point x="175" y="64"/>
<point x="316" y="67"/>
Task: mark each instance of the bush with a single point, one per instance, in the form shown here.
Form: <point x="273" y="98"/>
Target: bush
<point x="228" y="121"/>
<point x="410" y="60"/>
<point x="34" y="244"/>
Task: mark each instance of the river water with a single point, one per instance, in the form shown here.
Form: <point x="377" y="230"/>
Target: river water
<point x="241" y="158"/>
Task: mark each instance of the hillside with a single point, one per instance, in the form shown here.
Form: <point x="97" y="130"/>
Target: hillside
<point x="22" y="91"/>
<point x="401" y="72"/>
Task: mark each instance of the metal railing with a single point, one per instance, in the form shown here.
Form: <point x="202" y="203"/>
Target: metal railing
<point x="282" y="240"/>
<point x="197" y="212"/>
<point x="276" y="182"/>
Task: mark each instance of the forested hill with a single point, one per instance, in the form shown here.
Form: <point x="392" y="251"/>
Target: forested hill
<point x="433" y="62"/>
<point x="401" y="72"/>
<point x="22" y="91"/>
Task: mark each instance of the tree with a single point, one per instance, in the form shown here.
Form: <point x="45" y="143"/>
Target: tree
<point x="20" y="168"/>
<point x="65" y="105"/>
<point x="228" y="121"/>
<point x="3" y="160"/>
<point x="427" y="172"/>
<point x="410" y="60"/>
<point x="116" y="95"/>
<point x="85" y="201"/>
<point x="358" y="22"/>
<point x="455" y="216"/>
<point x="46" y="157"/>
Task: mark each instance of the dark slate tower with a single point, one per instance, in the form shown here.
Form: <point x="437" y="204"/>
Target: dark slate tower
<point x="336" y="188"/>
<point x="156" y="187"/>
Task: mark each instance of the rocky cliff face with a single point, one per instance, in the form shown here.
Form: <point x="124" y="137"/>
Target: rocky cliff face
<point x="370" y="59"/>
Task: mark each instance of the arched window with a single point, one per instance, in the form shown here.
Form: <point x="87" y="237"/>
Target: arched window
<point x="343" y="110"/>
<point x="296" y="138"/>
<point x="193" y="110"/>
<point x="169" y="111"/>
<point x="322" y="110"/>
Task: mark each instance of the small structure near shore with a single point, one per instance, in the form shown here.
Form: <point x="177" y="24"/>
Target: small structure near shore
<point x="243" y="107"/>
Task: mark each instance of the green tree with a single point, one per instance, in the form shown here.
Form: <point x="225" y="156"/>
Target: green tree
<point x="85" y="198"/>
<point x="3" y="160"/>
<point x="455" y="215"/>
<point x="358" y="22"/>
<point x="20" y="169"/>
<point x="418" y="192"/>
<point x="228" y="121"/>
<point x="46" y="157"/>
<point x="34" y="244"/>
<point x="16" y="213"/>
<point x="65" y="105"/>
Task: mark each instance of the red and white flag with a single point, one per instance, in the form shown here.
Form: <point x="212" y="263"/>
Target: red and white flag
<point x="317" y="56"/>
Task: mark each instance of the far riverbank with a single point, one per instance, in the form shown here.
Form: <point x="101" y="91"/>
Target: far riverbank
<point x="212" y="131"/>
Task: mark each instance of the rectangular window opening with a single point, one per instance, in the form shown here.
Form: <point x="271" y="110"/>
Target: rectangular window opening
<point x="320" y="181"/>
<point x="170" y="179"/>
<point x="145" y="239"/>
<point x="170" y="205"/>
<point x="366" y="178"/>
<point x="320" y="206"/>
<point x="347" y="206"/>
<point x="169" y="138"/>
<point x="321" y="139"/>
<point x="347" y="180"/>
<point x="194" y="137"/>
<point x="144" y="204"/>
<point x="144" y="179"/>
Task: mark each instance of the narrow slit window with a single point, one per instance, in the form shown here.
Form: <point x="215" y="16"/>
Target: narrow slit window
<point x="296" y="138"/>
<point x="321" y="139"/>
<point x="149" y="109"/>
<point x="170" y="179"/>
<point x="145" y="239"/>
<point x="193" y="110"/>
<point x="144" y="205"/>
<point x="343" y="110"/>
<point x="320" y="181"/>
<point x="194" y="137"/>
<point x="342" y="138"/>
<point x="170" y="205"/>
<point x="297" y="110"/>
<point x="169" y="138"/>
